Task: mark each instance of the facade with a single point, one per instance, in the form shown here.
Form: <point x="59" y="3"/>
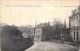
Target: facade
<point x="74" y="24"/>
<point x="40" y="32"/>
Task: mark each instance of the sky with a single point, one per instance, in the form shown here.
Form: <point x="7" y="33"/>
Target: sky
<point x="27" y="12"/>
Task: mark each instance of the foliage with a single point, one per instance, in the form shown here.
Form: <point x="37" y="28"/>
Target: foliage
<point x="58" y="28"/>
<point x="54" y="31"/>
<point x="10" y="31"/>
<point x="12" y="39"/>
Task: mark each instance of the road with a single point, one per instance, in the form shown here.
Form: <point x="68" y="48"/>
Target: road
<point x="51" y="46"/>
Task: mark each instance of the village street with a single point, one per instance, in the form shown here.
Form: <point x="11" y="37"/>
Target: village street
<point x="51" y="46"/>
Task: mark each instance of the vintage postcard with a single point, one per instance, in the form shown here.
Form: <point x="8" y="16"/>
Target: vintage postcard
<point x="39" y="25"/>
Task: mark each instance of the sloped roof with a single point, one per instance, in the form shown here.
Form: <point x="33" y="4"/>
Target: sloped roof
<point x="75" y="11"/>
<point x="79" y="7"/>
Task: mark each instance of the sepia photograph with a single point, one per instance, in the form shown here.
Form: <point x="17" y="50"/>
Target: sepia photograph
<point x="39" y="25"/>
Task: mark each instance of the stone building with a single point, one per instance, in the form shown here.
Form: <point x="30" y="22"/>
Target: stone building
<point x="74" y="24"/>
<point x="40" y="32"/>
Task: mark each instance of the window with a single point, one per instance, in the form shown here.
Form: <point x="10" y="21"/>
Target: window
<point x="71" y="22"/>
<point x="77" y="34"/>
<point x="74" y="35"/>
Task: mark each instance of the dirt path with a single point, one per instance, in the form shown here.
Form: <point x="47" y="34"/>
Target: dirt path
<point x="51" y="46"/>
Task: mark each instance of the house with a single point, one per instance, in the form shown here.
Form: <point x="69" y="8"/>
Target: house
<point x="40" y="33"/>
<point x="28" y="32"/>
<point x="74" y="24"/>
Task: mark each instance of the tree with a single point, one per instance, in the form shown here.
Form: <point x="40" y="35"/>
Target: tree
<point x="58" y="27"/>
<point x="47" y="32"/>
<point x="12" y="39"/>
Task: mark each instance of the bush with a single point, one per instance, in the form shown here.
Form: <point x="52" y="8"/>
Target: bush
<point x="12" y="39"/>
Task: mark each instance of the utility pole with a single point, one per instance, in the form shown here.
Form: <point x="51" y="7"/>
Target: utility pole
<point x="35" y="27"/>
